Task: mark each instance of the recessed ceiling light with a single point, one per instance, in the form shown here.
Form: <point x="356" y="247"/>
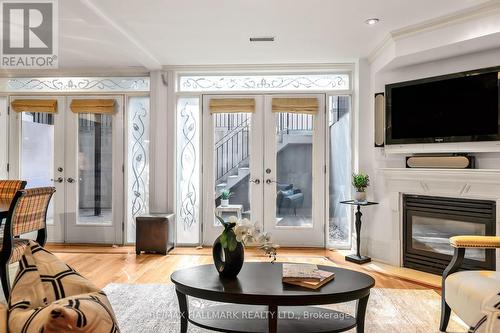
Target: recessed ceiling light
<point x="372" y="21"/>
<point x="262" y="39"/>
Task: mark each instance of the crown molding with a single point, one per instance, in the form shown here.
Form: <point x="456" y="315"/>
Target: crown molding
<point x="483" y="10"/>
<point x="374" y="54"/>
<point x="267" y="68"/>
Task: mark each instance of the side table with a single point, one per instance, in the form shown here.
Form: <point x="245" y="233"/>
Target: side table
<point x="358" y="258"/>
<point x="154" y="233"/>
<point x="238" y="209"/>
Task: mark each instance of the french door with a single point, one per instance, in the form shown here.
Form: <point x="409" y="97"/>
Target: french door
<point x="271" y="158"/>
<point x="79" y="151"/>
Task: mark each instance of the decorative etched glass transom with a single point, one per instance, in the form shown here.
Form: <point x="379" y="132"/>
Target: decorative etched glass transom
<point x="188" y="170"/>
<point x="76" y="84"/>
<point x="138" y="161"/>
<point x="292" y="82"/>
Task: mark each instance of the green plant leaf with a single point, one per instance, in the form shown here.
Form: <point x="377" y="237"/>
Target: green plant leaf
<point x="360" y="181"/>
<point x="225" y="194"/>
<point x="223" y="239"/>
<point x="231" y="241"/>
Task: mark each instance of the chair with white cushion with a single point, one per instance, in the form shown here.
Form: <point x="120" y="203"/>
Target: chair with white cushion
<point x="474" y="296"/>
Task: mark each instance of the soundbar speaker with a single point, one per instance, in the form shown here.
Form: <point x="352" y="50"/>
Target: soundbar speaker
<point x="379" y="119"/>
<point x="441" y="161"/>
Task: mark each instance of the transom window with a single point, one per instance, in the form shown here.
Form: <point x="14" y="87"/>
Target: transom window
<point x="286" y="82"/>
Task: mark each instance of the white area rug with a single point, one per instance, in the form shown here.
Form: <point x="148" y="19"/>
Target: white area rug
<point x="151" y="308"/>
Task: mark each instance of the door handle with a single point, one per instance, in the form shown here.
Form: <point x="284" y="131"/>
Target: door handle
<point x="58" y="180"/>
<point x="255" y="181"/>
<point x="70" y="180"/>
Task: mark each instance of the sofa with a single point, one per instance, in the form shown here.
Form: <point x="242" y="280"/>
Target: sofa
<point x="49" y="296"/>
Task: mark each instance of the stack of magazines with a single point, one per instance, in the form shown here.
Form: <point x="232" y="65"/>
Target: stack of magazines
<point x="306" y="275"/>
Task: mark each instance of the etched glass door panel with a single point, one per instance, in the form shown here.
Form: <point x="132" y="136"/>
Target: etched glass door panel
<point x="188" y="171"/>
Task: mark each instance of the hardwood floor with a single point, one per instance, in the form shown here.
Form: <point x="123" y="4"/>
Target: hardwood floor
<point x="103" y="265"/>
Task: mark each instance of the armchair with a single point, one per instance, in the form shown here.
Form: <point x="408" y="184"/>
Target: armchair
<point x="289" y="197"/>
<point x="473" y="295"/>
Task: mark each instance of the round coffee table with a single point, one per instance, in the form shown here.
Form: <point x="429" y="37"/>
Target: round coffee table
<point x="259" y="287"/>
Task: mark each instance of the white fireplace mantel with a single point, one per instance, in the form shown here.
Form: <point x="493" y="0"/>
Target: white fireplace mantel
<point x="456" y="183"/>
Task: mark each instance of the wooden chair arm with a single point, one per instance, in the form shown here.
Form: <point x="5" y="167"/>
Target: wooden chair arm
<point x="477" y="242"/>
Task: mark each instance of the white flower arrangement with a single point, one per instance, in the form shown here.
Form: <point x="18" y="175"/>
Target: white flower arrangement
<point x="248" y="233"/>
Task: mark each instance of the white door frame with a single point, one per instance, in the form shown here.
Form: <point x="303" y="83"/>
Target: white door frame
<point x="55" y="230"/>
<point x="291" y="235"/>
<point x="92" y="232"/>
<point x="211" y="231"/>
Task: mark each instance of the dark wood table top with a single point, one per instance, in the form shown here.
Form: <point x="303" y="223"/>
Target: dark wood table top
<point x="261" y="284"/>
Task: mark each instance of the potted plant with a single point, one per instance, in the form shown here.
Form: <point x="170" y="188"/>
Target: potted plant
<point x="228" y="249"/>
<point x="360" y="181"/>
<point x="224" y="197"/>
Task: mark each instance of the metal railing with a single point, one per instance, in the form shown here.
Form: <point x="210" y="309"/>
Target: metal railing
<point x="233" y="148"/>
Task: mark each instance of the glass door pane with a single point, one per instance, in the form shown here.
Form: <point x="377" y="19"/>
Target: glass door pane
<point x="233" y="160"/>
<point x="37" y="152"/>
<point x="231" y="147"/>
<point x="339" y="182"/>
<point x="95" y="168"/>
<point x="294" y="155"/>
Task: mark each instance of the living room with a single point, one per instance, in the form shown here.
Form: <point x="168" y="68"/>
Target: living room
<point x="264" y="166"/>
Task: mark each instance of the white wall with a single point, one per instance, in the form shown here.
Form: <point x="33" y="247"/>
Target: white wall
<point x="378" y="232"/>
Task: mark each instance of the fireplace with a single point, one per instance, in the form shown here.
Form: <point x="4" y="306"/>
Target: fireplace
<point x="428" y="223"/>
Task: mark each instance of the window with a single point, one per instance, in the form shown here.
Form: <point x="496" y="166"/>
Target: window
<point x="292" y="82"/>
<point x="188" y="171"/>
<point x="339" y="133"/>
<point x="138" y="161"/>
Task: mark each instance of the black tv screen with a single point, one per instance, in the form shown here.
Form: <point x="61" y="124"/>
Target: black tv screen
<point x="454" y="108"/>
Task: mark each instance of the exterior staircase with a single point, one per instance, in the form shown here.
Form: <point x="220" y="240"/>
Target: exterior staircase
<point x="232" y="150"/>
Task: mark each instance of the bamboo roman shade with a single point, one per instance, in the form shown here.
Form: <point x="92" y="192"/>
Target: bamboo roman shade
<point x="232" y="105"/>
<point x="34" y="105"/>
<point x="296" y="105"/>
<point x="106" y="106"/>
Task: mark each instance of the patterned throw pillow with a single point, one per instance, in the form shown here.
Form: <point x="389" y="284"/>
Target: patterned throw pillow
<point x="490" y="323"/>
<point x="49" y="296"/>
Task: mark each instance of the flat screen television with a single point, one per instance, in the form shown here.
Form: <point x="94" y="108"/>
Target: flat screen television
<point x="460" y="107"/>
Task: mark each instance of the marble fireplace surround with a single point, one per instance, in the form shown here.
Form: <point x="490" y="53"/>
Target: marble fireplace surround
<point x="464" y="183"/>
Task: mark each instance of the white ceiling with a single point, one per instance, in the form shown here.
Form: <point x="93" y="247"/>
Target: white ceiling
<point x="151" y="33"/>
